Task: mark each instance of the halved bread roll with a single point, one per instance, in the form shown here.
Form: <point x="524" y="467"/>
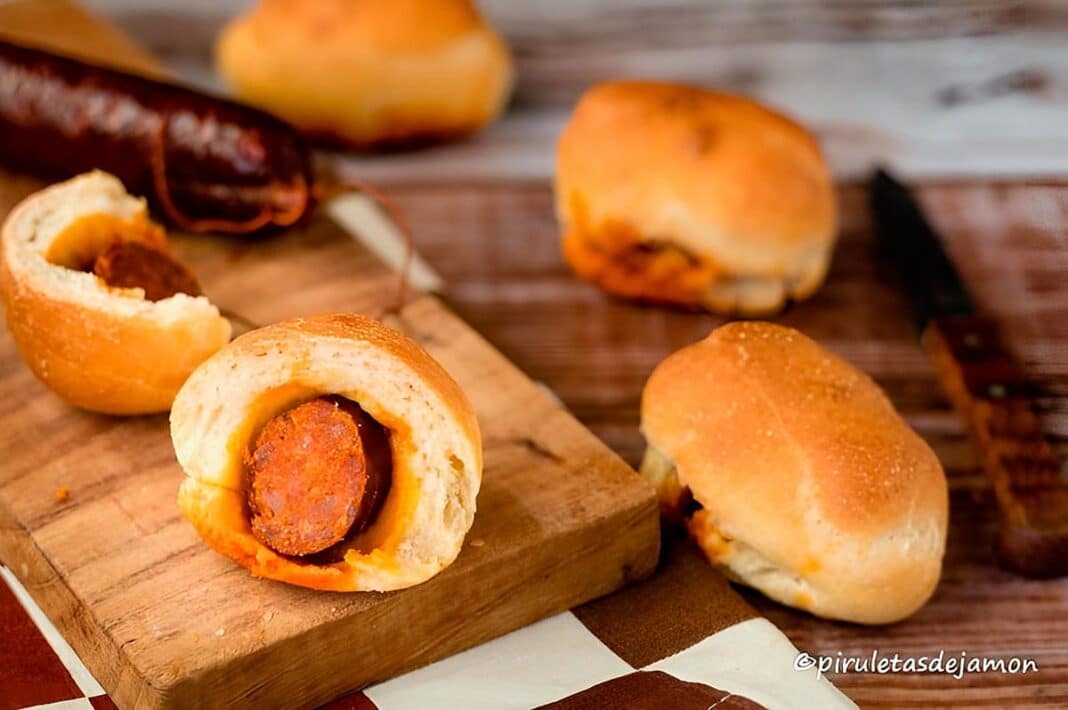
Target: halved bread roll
<point x="244" y="431"/>
<point x="794" y="473"/>
<point x="104" y="348"/>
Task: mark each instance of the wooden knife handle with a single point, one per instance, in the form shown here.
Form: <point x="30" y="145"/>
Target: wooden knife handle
<point x="993" y="400"/>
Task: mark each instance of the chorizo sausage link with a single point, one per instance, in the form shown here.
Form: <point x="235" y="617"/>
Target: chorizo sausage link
<point x="209" y="163"/>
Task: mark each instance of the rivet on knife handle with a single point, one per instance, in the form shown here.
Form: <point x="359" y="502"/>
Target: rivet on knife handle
<point x="991" y="396"/>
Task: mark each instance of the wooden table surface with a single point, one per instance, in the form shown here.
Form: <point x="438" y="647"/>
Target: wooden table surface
<point x="971" y="89"/>
<point x="496" y="246"/>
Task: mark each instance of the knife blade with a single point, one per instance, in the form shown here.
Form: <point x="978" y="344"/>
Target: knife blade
<point x="985" y="384"/>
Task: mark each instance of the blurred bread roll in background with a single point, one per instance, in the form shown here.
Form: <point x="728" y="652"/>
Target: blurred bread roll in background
<point x="673" y="194"/>
<point x="369" y="73"/>
<point x="795" y="474"/>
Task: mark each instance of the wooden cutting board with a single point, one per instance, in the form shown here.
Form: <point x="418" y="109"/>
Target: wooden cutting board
<point x="161" y="620"/>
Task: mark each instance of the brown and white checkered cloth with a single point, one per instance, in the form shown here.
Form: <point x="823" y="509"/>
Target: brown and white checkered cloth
<point x="681" y="639"/>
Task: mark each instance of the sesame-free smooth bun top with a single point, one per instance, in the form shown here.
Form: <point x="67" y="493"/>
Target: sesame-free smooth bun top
<point x="101" y="311"/>
<point x="285" y="402"/>
<point x="794" y="472"/>
<point x="677" y="194"/>
<point x="369" y="72"/>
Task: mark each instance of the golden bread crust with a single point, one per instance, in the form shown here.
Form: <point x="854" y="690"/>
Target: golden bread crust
<point x="742" y="190"/>
<point x="812" y="487"/>
<point x="369" y="73"/>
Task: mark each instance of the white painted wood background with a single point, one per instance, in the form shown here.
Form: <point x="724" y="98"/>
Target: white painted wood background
<point x="950" y="88"/>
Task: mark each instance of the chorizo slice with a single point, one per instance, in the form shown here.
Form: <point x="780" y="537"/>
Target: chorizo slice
<point x="316" y="472"/>
<point x="135" y="265"/>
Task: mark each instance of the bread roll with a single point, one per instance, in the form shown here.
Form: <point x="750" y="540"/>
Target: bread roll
<point x="432" y="433"/>
<point x="104" y="348"/>
<point x="674" y="194"/>
<point x="369" y="73"/>
<point x="795" y="474"/>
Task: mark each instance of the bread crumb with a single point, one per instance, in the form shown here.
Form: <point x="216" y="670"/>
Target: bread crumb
<point x="63" y="494"/>
<point x="220" y="631"/>
<point x="195" y="636"/>
<point x="478" y="542"/>
<point x="267" y="616"/>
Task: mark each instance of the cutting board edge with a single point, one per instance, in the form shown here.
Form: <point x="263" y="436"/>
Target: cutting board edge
<point x="634" y="539"/>
<point x="75" y="622"/>
<point x="202" y="689"/>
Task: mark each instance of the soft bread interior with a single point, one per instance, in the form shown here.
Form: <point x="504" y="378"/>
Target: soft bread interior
<point x="71" y="222"/>
<point x="433" y="437"/>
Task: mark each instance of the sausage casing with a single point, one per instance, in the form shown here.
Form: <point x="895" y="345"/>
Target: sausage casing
<point x="205" y="160"/>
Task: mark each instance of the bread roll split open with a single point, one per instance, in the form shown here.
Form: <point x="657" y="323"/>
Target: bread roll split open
<point x="433" y="437"/>
<point x="104" y="348"/>
<point x="794" y="473"/>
